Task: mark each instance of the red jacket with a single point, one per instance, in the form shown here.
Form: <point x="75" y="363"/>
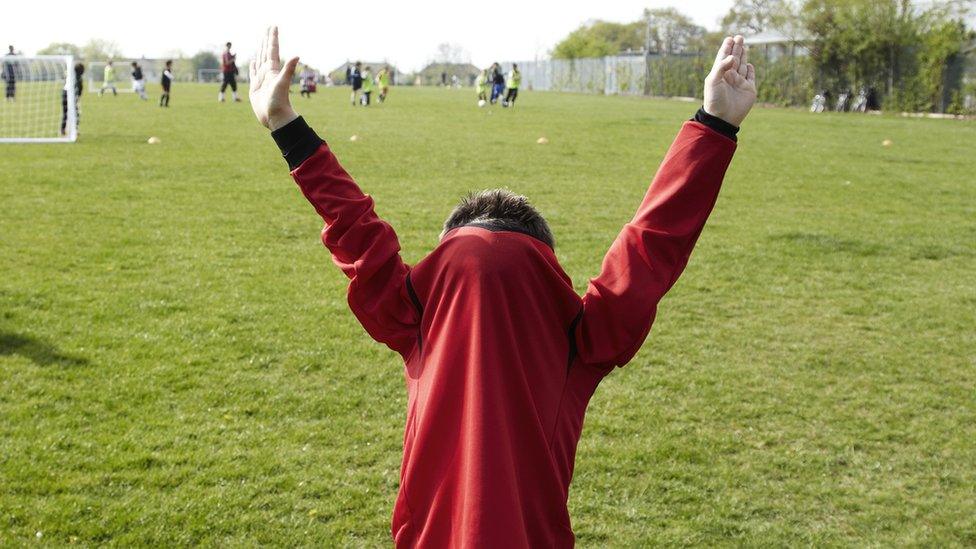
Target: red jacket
<point x="501" y="355"/>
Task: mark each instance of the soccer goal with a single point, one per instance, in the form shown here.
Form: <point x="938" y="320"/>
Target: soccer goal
<point x="216" y="76"/>
<point x="38" y="100"/>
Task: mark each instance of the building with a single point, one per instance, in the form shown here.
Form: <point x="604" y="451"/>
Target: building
<point x="436" y="74"/>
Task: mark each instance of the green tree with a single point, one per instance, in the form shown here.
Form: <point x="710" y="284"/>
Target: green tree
<point x="755" y="16"/>
<point x="60" y="48"/>
<point x="669" y="31"/>
<point x="204" y="60"/>
<point x="600" y="38"/>
<point x="97" y="50"/>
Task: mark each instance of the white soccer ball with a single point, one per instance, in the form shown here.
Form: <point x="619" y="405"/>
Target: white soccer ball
<point x="153" y="140"/>
<point x="542" y="141"/>
<point x="354" y="138"/>
<point x="481" y="103"/>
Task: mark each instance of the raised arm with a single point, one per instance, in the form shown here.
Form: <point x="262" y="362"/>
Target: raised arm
<point x="362" y="245"/>
<point x="652" y="250"/>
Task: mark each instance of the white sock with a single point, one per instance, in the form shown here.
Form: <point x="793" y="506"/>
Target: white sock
<point x="220" y="96"/>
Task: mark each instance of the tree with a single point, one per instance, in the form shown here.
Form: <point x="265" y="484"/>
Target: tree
<point x="600" y="38"/>
<point x="96" y="49"/>
<point x="450" y="54"/>
<point x="60" y="48"/>
<point x="204" y="60"/>
<point x="755" y="16"/>
<point x="669" y="31"/>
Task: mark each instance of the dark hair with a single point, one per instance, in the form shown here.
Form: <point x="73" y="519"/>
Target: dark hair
<point x="228" y="44"/>
<point x="79" y="69"/>
<point x="500" y="210"/>
<point x="169" y="62"/>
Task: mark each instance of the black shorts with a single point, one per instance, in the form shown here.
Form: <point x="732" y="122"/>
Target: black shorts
<point x="11" y="88"/>
<point x="357" y="87"/>
<point x="166" y="87"/>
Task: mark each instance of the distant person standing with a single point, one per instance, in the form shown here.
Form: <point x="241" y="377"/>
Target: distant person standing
<point x="10" y="75"/>
<point x="77" y="89"/>
<point x="383" y="79"/>
<point x="348" y="74"/>
<point x="167" y="82"/>
<point x="307" y="80"/>
<point x="108" y="80"/>
<point x="356" y="81"/>
<point x="138" y="81"/>
<point x="512" y="83"/>
<point x="228" y="68"/>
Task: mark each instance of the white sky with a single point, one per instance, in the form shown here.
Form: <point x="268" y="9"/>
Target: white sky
<point x="326" y="33"/>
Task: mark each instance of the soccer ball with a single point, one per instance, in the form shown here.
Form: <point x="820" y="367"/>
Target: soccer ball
<point x="153" y="140"/>
<point x="481" y="103"/>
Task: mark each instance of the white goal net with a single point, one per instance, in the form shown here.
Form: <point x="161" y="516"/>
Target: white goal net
<point x="216" y="76"/>
<point x="39" y="103"/>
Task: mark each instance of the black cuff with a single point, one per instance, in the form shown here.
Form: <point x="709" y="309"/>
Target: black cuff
<point x="297" y="142"/>
<point x="716" y="123"/>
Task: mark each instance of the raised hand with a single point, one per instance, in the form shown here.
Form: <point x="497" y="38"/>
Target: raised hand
<point x="269" y="84"/>
<point x="730" y="89"/>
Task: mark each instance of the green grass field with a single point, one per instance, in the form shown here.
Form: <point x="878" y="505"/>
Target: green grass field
<point x="178" y="365"/>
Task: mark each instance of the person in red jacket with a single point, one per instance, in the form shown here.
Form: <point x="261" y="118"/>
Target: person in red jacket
<point x="501" y="355"/>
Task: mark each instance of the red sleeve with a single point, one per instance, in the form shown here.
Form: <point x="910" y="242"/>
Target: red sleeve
<point x="365" y="248"/>
<point x="652" y="250"/>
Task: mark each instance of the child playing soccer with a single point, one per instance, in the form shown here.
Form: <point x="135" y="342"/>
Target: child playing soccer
<point x="108" y="79"/>
<point x="138" y="81"/>
<point x="167" y="83"/>
<point x="512" y="83"/>
<point x="367" y="86"/>
<point x="481" y="85"/>
<point x="501" y="355"/>
<point x="356" y="81"/>
<point x="76" y="89"/>
<point x="383" y="80"/>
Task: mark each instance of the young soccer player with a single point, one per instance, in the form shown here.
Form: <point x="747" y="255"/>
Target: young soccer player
<point x="138" y="81"/>
<point x="167" y="83"/>
<point x="108" y="79"/>
<point x="497" y="79"/>
<point x="356" y="81"/>
<point x="481" y="85"/>
<point x="228" y="69"/>
<point x="77" y="89"/>
<point x="367" y="85"/>
<point x="512" y="83"/>
<point x="10" y="76"/>
<point x="501" y="355"/>
<point x="383" y="80"/>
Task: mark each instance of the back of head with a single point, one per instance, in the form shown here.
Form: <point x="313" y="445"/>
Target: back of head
<point x="502" y="210"/>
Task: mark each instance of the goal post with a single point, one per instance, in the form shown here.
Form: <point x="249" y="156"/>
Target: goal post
<point x="39" y="99"/>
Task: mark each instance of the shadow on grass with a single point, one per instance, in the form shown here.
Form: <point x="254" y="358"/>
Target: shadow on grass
<point x="37" y="351"/>
<point x="826" y="244"/>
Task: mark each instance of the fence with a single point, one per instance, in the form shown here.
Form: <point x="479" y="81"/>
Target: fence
<point x="666" y="75"/>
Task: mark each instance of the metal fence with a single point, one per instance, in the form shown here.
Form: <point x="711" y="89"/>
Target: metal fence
<point x="672" y="75"/>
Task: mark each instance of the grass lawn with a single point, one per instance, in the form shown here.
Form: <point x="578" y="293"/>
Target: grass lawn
<point x="178" y="364"/>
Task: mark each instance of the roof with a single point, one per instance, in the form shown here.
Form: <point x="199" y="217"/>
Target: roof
<point x="450" y="68"/>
